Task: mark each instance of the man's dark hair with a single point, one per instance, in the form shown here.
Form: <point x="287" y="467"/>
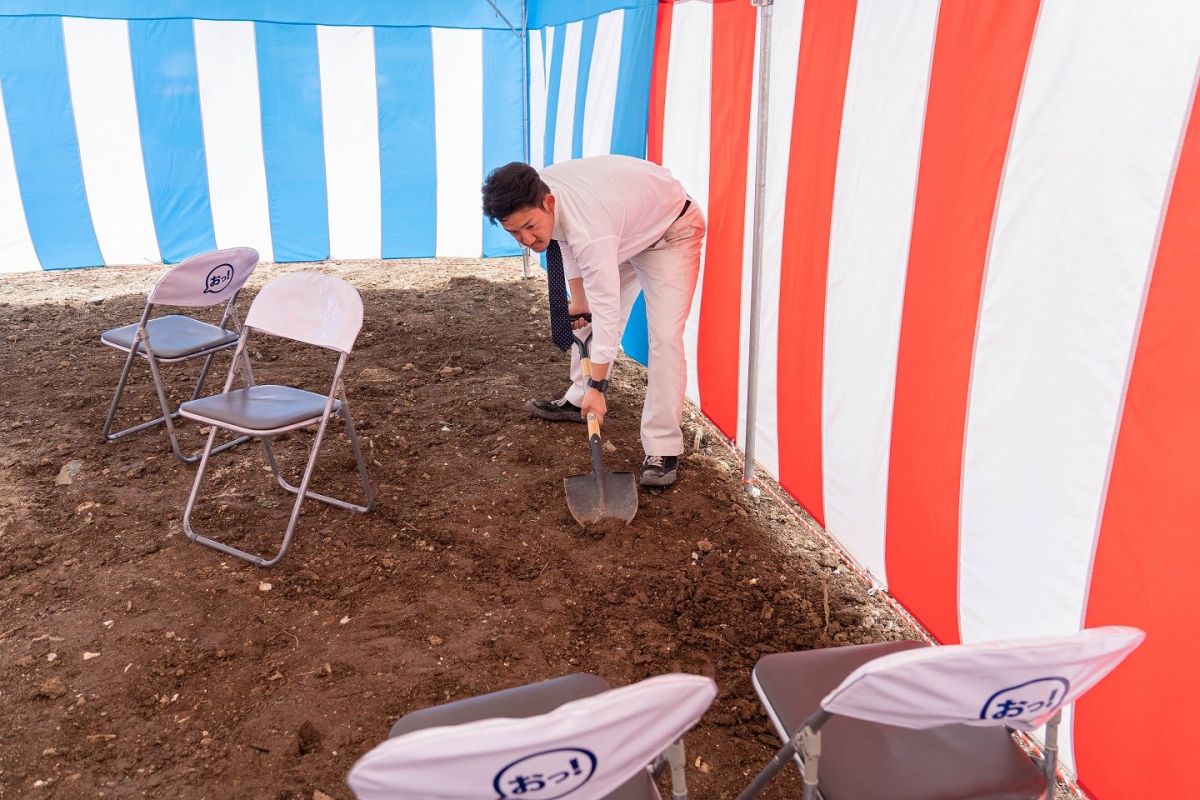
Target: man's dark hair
<point x="511" y="188"/>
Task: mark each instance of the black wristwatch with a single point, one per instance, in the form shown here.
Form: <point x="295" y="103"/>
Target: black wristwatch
<point x="599" y="386"/>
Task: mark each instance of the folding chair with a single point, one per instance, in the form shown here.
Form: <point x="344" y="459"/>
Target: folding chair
<point x="903" y="721"/>
<point x="567" y="736"/>
<point x="306" y="307"/>
<point x="200" y="281"/>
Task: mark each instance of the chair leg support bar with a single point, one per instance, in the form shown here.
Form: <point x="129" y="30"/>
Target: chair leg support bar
<point x="203" y="374"/>
<point x="360" y="462"/>
<point x="213" y="543"/>
<point x="1050" y="757"/>
<point x="777" y="762"/>
<point x="302" y="492"/>
<point x="168" y="417"/>
<point x="161" y="391"/>
<point x="116" y="401"/>
<point x="112" y="437"/>
<point x="678" y="760"/>
<point x="810" y="743"/>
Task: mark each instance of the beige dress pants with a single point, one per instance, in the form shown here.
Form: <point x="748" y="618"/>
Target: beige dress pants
<point x="666" y="273"/>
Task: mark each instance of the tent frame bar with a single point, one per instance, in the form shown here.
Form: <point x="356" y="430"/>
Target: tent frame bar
<point x="522" y="36"/>
<point x="760" y="186"/>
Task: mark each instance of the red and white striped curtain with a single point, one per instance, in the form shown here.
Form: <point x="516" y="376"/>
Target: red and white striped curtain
<point x="980" y="363"/>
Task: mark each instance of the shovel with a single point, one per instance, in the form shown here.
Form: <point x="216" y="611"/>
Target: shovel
<point x="599" y="494"/>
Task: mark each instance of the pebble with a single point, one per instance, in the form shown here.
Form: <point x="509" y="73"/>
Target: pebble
<point x="89" y="656"/>
<point x="52" y="688"/>
<point x="69" y="472"/>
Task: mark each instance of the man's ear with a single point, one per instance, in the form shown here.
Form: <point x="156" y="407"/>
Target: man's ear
<point x="548" y="202"/>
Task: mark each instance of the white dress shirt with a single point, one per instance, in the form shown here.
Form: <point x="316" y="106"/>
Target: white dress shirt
<point x="608" y="209"/>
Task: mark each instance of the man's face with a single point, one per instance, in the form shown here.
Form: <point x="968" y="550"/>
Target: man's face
<point x="532" y="226"/>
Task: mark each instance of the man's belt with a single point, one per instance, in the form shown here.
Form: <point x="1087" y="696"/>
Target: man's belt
<point x="686" y="205"/>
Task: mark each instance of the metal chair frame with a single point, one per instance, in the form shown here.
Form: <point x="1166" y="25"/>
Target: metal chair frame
<point x="337" y="392"/>
<point x="805" y="749"/>
<point x="146" y="351"/>
<point x="921" y="689"/>
<point x="178" y="287"/>
<point x="536" y="700"/>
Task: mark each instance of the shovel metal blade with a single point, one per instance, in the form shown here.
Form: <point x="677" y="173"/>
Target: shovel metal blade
<point x="602" y="495"/>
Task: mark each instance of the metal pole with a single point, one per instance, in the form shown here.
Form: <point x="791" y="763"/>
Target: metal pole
<point x="760" y="186"/>
<point x="525" y="110"/>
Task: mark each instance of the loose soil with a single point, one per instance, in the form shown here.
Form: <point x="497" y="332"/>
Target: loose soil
<point x="138" y="664"/>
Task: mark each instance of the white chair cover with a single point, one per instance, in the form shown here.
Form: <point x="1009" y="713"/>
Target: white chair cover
<point x="1019" y="683"/>
<point x="205" y="279"/>
<point x="309" y="307"/>
<point x="599" y="742"/>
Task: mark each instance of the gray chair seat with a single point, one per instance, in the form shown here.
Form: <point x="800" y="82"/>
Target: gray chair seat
<point x="173" y="336"/>
<point x="520" y="702"/>
<point x="259" y="408"/>
<point x="863" y="760"/>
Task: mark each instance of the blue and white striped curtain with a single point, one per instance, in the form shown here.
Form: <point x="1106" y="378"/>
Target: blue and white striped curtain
<point x="306" y="130"/>
<point x="589" y="81"/>
<point x="146" y="140"/>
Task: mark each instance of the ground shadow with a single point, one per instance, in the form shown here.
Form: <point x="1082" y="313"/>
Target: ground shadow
<point x="216" y="678"/>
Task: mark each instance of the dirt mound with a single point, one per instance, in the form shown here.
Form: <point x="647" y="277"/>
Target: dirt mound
<point x="139" y="664"/>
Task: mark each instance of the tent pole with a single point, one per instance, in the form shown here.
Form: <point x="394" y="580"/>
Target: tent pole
<point x="760" y="184"/>
<point x="523" y="36"/>
<point x="525" y="109"/>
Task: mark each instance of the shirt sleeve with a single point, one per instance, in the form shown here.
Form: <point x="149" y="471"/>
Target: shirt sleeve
<point x="596" y="262"/>
<point x="570" y="263"/>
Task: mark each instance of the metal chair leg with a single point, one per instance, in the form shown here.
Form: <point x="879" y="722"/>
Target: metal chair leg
<point x="678" y="762"/>
<point x="806" y="742"/>
<point x="203" y="374"/>
<point x="360" y="462"/>
<point x="1050" y="753"/>
<point x="168" y="417"/>
<point x="301" y="492"/>
<point x="106" y="431"/>
<point x="777" y="762"/>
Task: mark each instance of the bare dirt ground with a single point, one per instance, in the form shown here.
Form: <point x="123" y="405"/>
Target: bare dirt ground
<point x="138" y="664"/>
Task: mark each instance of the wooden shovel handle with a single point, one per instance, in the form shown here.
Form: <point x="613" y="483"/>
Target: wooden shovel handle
<point x="585" y="364"/>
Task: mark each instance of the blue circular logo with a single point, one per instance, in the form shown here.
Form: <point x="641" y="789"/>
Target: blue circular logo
<point x="546" y="775"/>
<point x="218" y="278"/>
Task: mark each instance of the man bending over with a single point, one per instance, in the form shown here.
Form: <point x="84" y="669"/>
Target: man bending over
<point x="611" y="226"/>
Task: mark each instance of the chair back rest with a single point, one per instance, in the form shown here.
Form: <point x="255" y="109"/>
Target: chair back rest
<point x="309" y="307"/>
<point x="599" y="742"/>
<point x="205" y="279"/>
<point x="1020" y="683"/>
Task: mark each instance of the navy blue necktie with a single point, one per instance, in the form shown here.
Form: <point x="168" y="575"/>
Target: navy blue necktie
<point x="560" y="322"/>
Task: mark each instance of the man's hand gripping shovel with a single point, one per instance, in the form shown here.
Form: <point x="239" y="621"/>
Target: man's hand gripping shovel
<point x="598" y="495"/>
